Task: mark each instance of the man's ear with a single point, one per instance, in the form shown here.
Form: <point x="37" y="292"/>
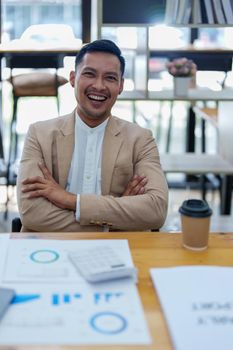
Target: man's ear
<point x="72" y="78"/>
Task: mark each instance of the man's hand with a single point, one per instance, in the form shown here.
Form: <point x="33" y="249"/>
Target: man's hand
<point x="136" y="186"/>
<point x="48" y="188"/>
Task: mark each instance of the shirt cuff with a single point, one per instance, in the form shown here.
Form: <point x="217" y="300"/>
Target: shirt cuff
<point x="77" y="214"/>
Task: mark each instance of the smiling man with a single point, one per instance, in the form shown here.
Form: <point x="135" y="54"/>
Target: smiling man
<point x="89" y="170"/>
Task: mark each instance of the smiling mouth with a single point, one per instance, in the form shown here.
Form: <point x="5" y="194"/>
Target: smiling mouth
<point x="97" y="98"/>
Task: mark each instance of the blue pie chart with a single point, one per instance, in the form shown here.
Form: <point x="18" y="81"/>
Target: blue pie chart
<point x="44" y="256"/>
<point x="108" y="323"/>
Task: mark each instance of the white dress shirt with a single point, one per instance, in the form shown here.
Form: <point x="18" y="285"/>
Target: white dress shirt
<point x="85" y="171"/>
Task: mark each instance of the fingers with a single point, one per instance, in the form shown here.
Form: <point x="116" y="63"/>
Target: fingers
<point x="136" y="185"/>
<point x="130" y="186"/>
<point x="32" y="180"/>
<point x="139" y="186"/>
<point x="40" y="186"/>
<point x="142" y="190"/>
<point x="39" y="179"/>
<point x="34" y="194"/>
<point x="32" y="187"/>
<point x="33" y="191"/>
<point x="45" y="171"/>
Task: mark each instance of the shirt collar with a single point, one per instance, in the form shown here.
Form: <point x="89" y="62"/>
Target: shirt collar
<point x="85" y="127"/>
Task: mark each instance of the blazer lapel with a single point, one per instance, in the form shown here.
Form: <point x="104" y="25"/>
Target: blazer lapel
<point x="65" y="146"/>
<point x="111" y="146"/>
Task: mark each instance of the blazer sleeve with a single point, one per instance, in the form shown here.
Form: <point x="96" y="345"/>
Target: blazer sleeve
<point x="38" y="214"/>
<point x="141" y="212"/>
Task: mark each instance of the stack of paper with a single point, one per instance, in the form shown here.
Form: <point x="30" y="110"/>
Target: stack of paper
<point x="55" y="305"/>
<point x="198" y="305"/>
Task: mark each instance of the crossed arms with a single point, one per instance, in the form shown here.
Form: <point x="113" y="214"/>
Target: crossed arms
<point x="45" y="186"/>
<point x="45" y="205"/>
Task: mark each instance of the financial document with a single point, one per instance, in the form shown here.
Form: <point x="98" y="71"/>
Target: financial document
<point x="198" y="305"/>
<point x="4" y="241"/>
<point x="59" y="306"/>
<point x="47" y="260"/>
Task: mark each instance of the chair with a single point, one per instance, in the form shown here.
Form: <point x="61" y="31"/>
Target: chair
<point x="16" y="225"/>
<point x="40" y="81"/>
<point x="220" y="163"/>
<point x="36" y="83"/>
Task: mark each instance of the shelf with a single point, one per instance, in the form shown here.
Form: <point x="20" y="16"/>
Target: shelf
<point x="199" y="13"/>
<point x="198" y="94"/>
<point x="133" y="95"/>
<point x="200" y="25"/>
<point x="139" y="67"/>
<point x="189" y="50"/>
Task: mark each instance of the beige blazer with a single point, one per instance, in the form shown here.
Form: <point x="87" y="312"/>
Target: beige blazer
<point x="127" y="149"/>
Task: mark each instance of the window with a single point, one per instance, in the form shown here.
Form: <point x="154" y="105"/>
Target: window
<point x="31" y="12"/>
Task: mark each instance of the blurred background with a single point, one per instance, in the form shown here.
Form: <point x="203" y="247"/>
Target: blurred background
<point x="63" y="26"/>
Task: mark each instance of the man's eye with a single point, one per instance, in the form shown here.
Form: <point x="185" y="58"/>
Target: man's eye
<point x="111" y="78"/>
<point x="88" y="74"/>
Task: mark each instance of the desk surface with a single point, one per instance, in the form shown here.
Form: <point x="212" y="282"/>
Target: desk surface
<point x="151" y="250"/>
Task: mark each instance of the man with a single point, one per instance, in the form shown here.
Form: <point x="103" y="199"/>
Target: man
<point x="89" y="170"/>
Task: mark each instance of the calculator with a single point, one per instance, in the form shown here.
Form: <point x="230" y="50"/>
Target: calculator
<point x="101" y="263"/>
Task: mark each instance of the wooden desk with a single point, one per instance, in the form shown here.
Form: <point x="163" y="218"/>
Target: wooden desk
<point x="12" y="48"/>
<point x="151" y="250"/>
<point x="43" y="57"/>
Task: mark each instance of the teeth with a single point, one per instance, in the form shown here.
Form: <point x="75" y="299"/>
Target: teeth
<point x="97" y="98"/>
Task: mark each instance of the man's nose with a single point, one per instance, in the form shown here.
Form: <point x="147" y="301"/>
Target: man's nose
<point x="99" y="83"/>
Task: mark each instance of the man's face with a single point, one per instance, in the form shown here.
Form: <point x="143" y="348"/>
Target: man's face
<point x="97" y="83"/>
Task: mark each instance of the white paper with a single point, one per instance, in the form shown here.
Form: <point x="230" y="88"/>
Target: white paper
<point x="86" y="314"/>
<point x="4" y="241"/>
<point x="32" y="260"/>
<point x="55" y="305"/>
<point x="198" y="305"/>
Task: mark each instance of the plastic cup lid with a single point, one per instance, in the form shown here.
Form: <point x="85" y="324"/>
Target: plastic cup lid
<point x="195" y="208"/>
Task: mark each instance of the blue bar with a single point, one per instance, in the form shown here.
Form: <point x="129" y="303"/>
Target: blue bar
<point x="97" y="297"/>
<point x="66" y="298"/>
<point x="55" y="299"/>
<point x="107" y="296"/>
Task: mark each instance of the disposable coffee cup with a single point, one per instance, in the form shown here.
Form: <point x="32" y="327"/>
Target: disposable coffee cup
<point x="195" y="223"/>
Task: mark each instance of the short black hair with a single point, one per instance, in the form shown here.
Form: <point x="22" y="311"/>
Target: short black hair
<point x="102" y="45"/>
